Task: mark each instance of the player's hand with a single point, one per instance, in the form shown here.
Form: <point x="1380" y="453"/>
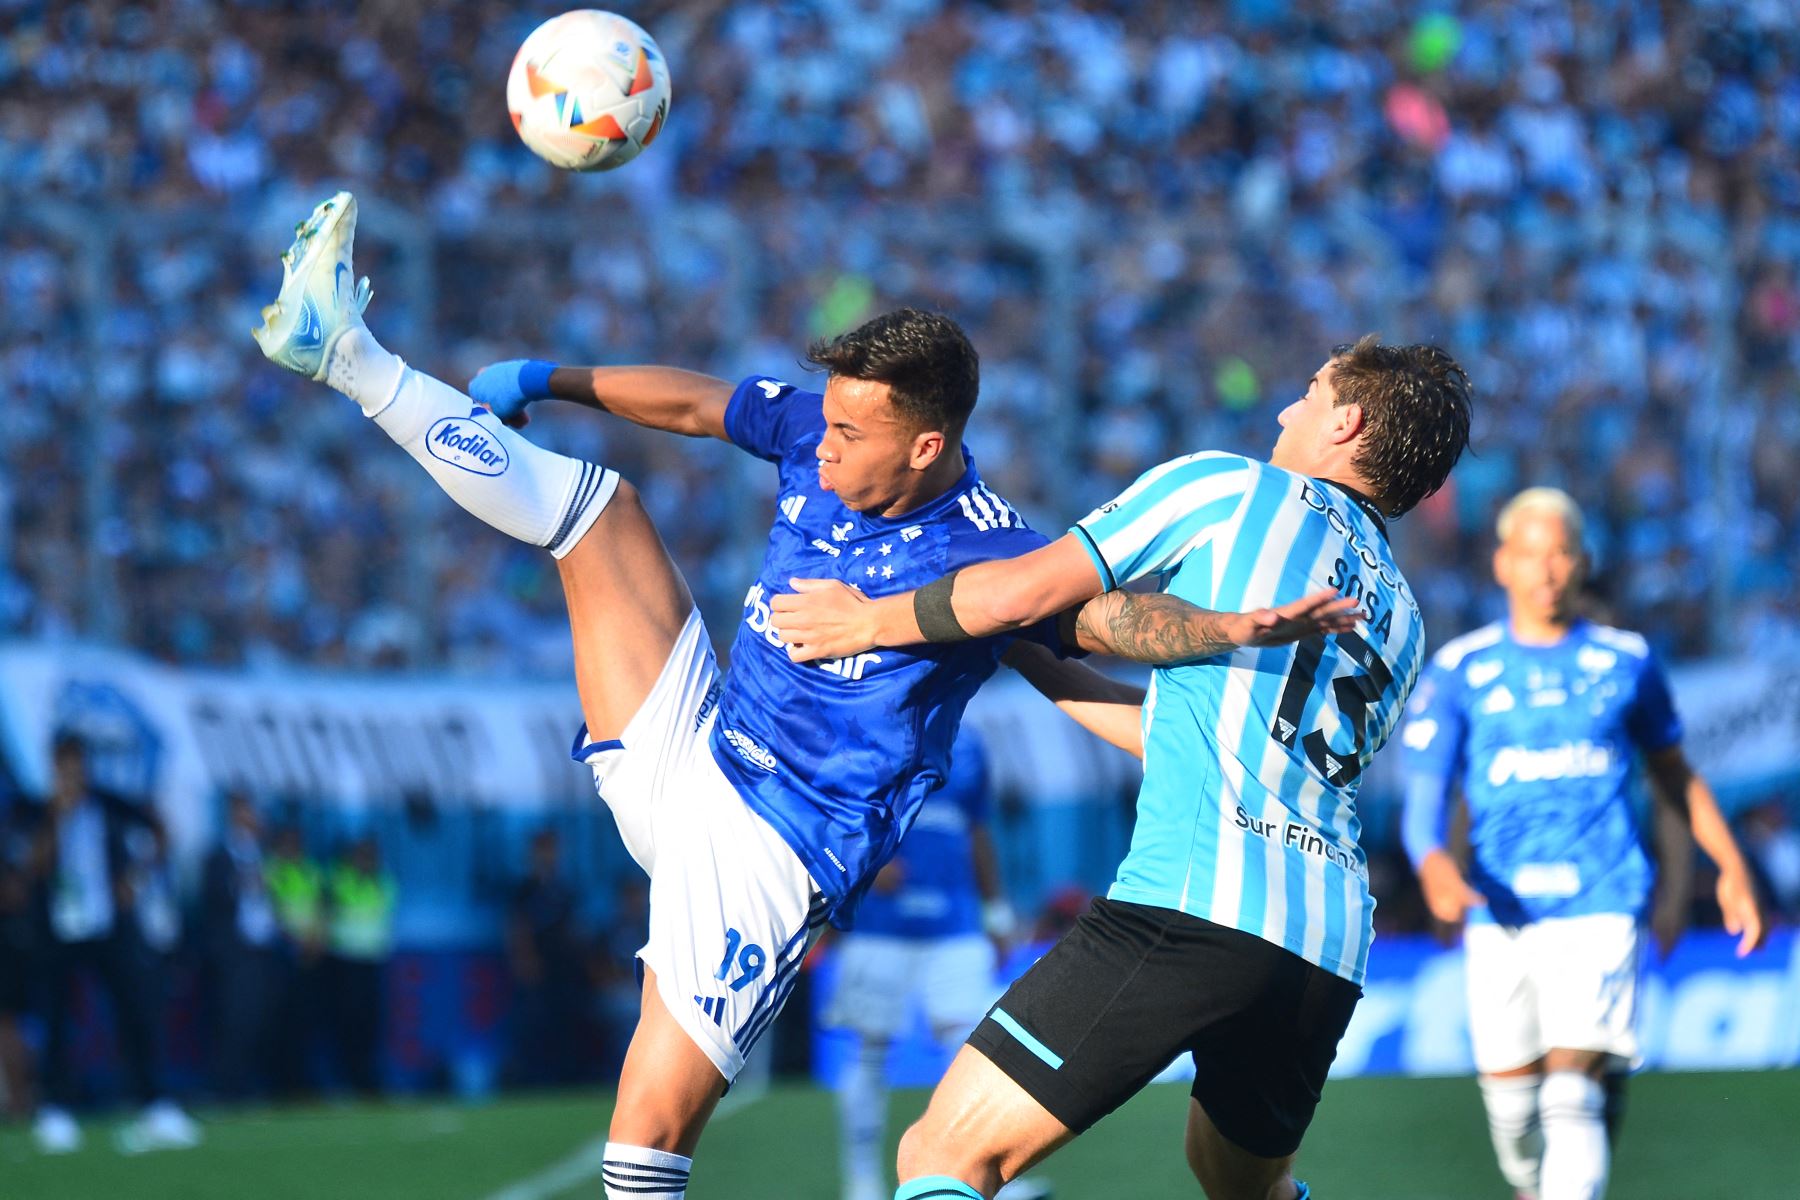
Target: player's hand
<point x="1447" y="894"/>
<point x="823" y="618"/>
<point x="1743" y="915"/>
<point x="505" y="388"/>
<point x="889" y="879"/>
<point x="1321" y="613"/>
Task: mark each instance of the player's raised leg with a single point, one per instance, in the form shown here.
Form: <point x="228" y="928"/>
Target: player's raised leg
<point x="627" y="601"/>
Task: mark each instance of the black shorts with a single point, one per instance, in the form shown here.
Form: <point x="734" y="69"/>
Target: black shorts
<point x="1131" y="987"/>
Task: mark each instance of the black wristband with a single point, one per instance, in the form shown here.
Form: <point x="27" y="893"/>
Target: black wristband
<point x="935" y="614"/>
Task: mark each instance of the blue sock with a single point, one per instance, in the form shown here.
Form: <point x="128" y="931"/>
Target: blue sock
<point x="1305" y="1192"/>
<point x="936" y="1187"/>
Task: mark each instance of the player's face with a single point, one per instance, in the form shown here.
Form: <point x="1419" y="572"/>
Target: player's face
<point x="1307" y="422"/>
<point x="1540" y="566"/>
<point x="868" y="454"/>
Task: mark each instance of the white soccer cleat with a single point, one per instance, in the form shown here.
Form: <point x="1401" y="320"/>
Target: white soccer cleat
<point x="162" y="1126"/>
<point x="56" y="1132"/>
<point x="318" y="303"/>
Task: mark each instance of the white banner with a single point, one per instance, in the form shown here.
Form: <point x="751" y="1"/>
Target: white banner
<point x="187" y="736"/>
<point x="1742" y="719"/>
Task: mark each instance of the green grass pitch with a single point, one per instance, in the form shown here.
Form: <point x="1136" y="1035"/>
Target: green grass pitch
<point x="1687" y="1137"/>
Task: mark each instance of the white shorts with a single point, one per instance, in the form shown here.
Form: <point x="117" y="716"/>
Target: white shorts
<point x="732" y="910"/>
<point x="881" y="978"/>
<point x="1566" y="983"/>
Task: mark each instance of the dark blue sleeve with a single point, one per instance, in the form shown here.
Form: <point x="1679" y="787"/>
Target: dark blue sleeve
<point x="969" y="774"/>
<point x="768" y="417"/>
<point x="1652" y="721"/>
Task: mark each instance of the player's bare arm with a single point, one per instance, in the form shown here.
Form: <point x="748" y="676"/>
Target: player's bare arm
<point x="666" y="398"/>
<point x="825" y="619"/>
<point x="1154" y="627"/>
<point x="1108" y="708"/>
<point x="1676" y="783"/>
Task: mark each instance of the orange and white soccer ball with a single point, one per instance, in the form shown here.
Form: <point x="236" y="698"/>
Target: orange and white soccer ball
<point x="588" y="90"/>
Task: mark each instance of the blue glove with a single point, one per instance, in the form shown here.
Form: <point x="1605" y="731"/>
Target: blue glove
<point x="507" y="387"/>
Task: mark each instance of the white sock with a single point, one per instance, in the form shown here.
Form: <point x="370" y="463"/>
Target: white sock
<point x="862" y="1116"/>
<point x="1512" y="1113"/>
<point x="1576" y="1153"/>
<point x="522" y="490"/>
<point x="640" y="1173"/>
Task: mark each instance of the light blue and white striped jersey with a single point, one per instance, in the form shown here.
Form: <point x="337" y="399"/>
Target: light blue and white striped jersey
<point x="1247" y="813"/>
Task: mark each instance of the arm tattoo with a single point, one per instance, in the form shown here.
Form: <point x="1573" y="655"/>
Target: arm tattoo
<point x="1152" y="628"/>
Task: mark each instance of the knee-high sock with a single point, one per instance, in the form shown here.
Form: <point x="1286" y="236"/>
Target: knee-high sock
<point x="523" y="490"/>
<point x="862" y="1113"/>
<point x="1576" y="1154"/>
<point x="1512" y="1113"/>
<point x="640" y="1173"/>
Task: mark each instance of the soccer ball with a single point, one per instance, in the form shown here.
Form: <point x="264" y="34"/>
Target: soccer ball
<point x="588" y="90"/>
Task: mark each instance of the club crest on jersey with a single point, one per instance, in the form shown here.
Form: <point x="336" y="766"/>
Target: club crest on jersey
<point x="462" y="443"/>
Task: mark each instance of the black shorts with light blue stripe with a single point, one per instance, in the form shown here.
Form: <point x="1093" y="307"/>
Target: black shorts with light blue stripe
<point x="1132" y="986"/>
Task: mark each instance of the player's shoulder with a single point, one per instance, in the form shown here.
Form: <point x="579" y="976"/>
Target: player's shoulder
<point x="1451" y="656"/>
<point x="1608" y="637"/>
<point x="976" y="511"/>
<point x="1203" y="464"/>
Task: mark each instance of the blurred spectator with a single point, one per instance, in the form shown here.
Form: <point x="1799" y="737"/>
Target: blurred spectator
<point x="81" y="873"/>
<point x="297" y="889"/>
<point x="1151" y="218"/>
<point x="360" y="898"/>
<point x="243" y="953"/>
<point x="17" y="967"/>
<point x="613" y="968"/>
<point x="545" y="957"/>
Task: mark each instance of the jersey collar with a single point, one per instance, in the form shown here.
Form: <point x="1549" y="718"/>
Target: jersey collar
<point x="1361" y="501"/>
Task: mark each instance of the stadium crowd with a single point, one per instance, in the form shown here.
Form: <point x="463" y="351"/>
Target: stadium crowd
<point x="1154" y="218"/>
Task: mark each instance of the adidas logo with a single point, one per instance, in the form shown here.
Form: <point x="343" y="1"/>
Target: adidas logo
<point x="712" y="1006"/>
<point x="790" y="508"/>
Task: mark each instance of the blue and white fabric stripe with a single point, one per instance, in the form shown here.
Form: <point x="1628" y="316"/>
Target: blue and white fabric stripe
<point x="781" y="983"/>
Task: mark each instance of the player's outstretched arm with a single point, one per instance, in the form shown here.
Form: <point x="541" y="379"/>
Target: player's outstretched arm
<point x="1108" y="708"/>
<point x="825" y="619"/>
<point x="666" y="398"/>
<point x="1678" y="785"/>
<point x="1154" y="627"/>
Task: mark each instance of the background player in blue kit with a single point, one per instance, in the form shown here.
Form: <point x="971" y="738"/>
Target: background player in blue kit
<point x="1238" y="926"/>
<point x="927" y="937"/>
<point x="760" y="802"/>
<point x="1540" y="720"/>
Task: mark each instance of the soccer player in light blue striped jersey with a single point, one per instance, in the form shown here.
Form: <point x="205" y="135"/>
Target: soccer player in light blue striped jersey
<point x="1238" y="926"/>
<point x="1540" y="720"/>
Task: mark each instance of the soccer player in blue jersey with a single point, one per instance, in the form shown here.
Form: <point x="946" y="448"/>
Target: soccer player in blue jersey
<point x="760" y="802"/>
<point x="1238" y="926"/>
<point x="926" y="939"/>
<point x="1540" y="720"/>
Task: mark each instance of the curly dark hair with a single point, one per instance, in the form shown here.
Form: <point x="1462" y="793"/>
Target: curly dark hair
<point x="926" y="360"/>
<point x="1416" y="403"/>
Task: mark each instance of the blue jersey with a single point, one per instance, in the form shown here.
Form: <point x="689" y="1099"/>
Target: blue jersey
<point x="1543" y="741"/>
<point x="937" y="897"/>
<point x="839" y="755"/>
<point x="1247" y="813"/>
